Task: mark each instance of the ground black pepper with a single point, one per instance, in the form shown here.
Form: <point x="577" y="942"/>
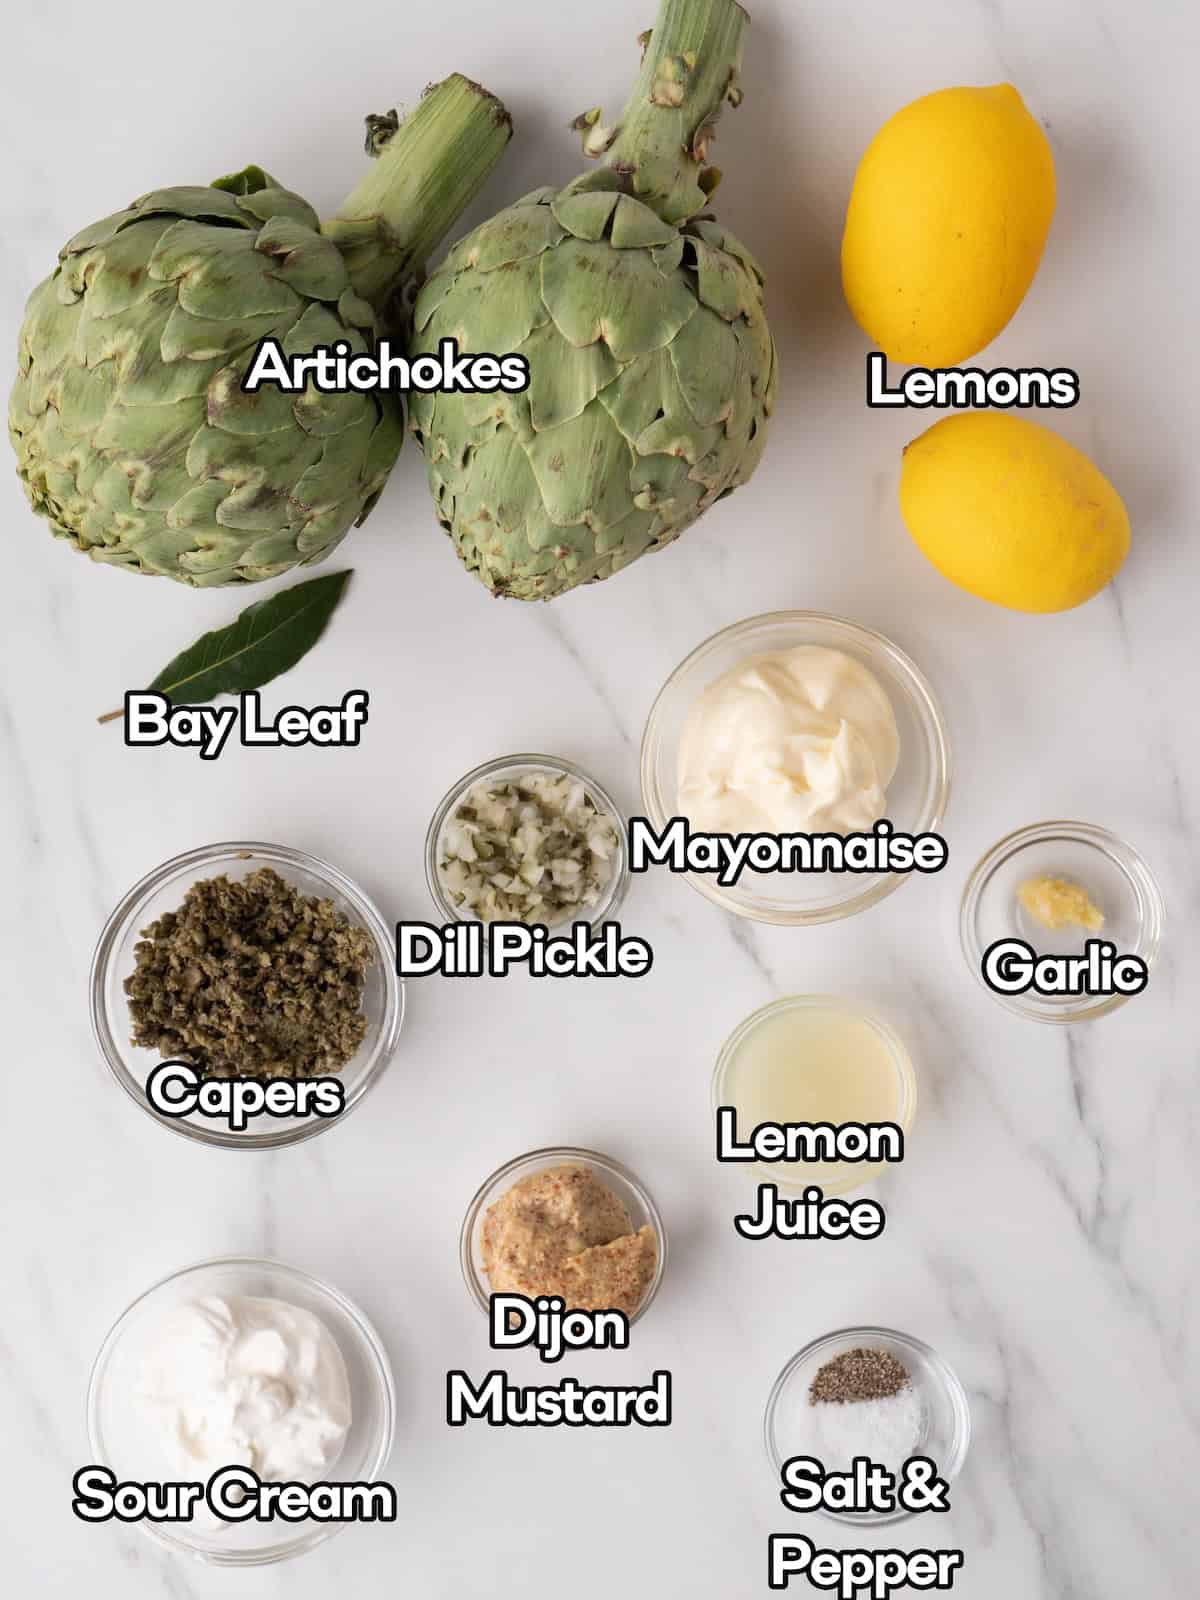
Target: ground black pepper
<point x="859" y="1374"/>
<point x="251" y="978"/>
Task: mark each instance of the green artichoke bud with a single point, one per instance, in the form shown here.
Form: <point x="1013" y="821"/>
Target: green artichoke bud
<point x="134" y="437"/>
<point x="652" y="368"/>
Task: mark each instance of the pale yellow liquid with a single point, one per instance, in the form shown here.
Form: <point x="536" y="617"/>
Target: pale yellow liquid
<point x="816" y="1064"/>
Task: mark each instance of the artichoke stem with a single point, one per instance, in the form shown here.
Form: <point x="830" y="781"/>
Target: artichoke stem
<point x="424" y="176"/>
<point x="690" y="67"/>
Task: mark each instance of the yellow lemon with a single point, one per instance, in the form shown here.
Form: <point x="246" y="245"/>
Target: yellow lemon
<point x="1011" y="512"/>
<point x="947" y="221"/>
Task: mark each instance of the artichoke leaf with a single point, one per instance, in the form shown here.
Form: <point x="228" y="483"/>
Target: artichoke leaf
<point x="249" y="180"/>
<point x="111" y="491"/>
<point x="250" y="499"/>
<point x="758" y="348"/>
<point x="82" y="398"/>
<point x="743" y="408"/>
<point x="99" y="233"/>
<point x="151" y="433"/>
<point x="275" y="203"/>
<point x="645" y="390"/>
<point x="713" y="472"/>
<point x="316" y="412"/>
<point x="189" y="338"/>
<point x="306" y="261"/>
<point x="502" y="410"/>
<point x="248" y="503"/>
<point x="115" y="276"/>
<point x="216" y="558"/>
<point x="772" y="390"/>
<point x="655" y="481"/>
<point x="100" y="339"/>
<point x="197" y="508"/>
<point x="582" y="469"/>
<point x="750" y="454"/>
<point x="387" y="439"/>
<point x="197" y="201"/>
<point x="562" y="379"/>
<point x="636" y="227"/>
<point x="325" y="415"/>
<point x="491" y="511"/>
<point x="626" y="540"/>
<point x="668" y="258"/>
<point x="677" y="435"/>
<point x="162" y="550"/>
<point x="704" y="356"/>
<point x="424" y="424"/>
<point x="493" y="312"/>
<point x="337" y="473"/>
<point x="594" y="292"/>
<point x="721" y="239"/>
<point x="515" y="235"/>
<point x="128" y="486"/>
<point x="594" y="180"/>
<point x="315" y="326"/>
<point x="313" y="539"/>
<point x="421" y="414"/>
<point x="653" y="409"/>
<point x="48" y="331"/>
<point x="194" y="201"/>
<point x="502" y="531"/>
<point x="255" y="505"/>
<point x="232" y="410"/>
<point x="585" y="216"/>
<point x="211" y="277"/>
<point x="431" y="295"/>
<point x="143" y="379"/>
<point x="356" y="312"/>
<point x="538" y="197"/>
<point x="724" y="284"/>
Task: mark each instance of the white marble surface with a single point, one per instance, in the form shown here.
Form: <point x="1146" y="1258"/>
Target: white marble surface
<point x="1042" y="1233"/>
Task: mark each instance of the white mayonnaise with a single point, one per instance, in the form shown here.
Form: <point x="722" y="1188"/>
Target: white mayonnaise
<point x="795" y="741"/>
<point x="239" y="1381"/>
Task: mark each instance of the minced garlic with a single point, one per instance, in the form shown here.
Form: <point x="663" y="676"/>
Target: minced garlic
<point x="1058" y="903"/>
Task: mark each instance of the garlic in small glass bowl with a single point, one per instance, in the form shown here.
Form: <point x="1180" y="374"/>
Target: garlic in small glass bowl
<point x="569" y="856"/>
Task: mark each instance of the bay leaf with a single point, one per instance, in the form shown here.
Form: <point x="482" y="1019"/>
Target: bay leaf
<point x="264" y="640"/>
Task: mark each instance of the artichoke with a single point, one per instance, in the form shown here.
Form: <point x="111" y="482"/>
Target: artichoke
<point x="134" y="438"/>
<point x="652" y="368"/>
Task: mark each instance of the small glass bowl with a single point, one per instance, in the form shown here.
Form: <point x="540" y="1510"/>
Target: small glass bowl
<point x="796" y="1176"/>
<point x="163" y="890"/>
<point x="917" y="795"/>
<point x="1114" y="875"/>
<point x="629" y="1188"/>
<point x="124" y="1441"/>
<point x="609" y="903"/>
<point x="947" y="1430"/>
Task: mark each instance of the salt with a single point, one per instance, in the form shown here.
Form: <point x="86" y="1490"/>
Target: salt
<point x="886" y="1431"/>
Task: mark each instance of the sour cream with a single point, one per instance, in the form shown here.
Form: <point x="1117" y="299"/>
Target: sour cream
<point x="794" y="741"/>
<point x="242" y="1381"/>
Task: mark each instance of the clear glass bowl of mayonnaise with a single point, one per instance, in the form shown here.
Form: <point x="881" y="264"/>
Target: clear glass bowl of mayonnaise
<point x="916" y="794"/>
<point x="124" y="1439"/>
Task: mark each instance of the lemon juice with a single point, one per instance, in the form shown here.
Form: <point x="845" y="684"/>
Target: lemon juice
<point x="814" y="1061"/>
